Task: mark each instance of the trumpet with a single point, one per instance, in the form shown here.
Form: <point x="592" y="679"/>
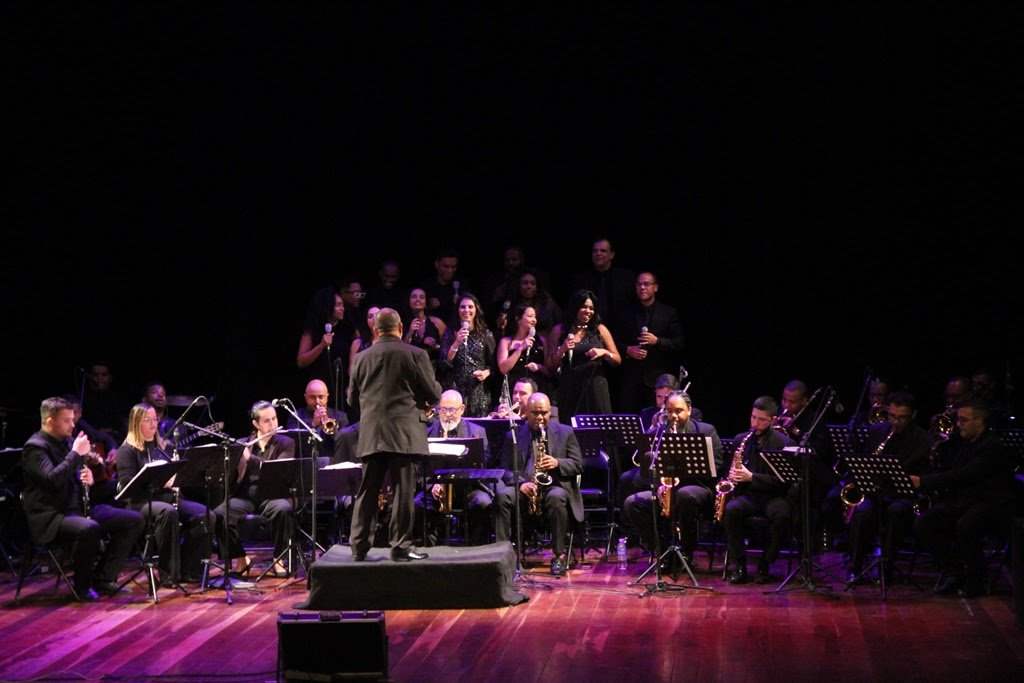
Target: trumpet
<point x="329" y="424"/>
<point x="943" y="423"/>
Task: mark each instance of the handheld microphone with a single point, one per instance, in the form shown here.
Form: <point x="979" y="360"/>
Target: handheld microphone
<point x="327" y="330"/>
<point x="532" y="333"/>
<point x="643" y="331"/>
<point x="508" y="304"/>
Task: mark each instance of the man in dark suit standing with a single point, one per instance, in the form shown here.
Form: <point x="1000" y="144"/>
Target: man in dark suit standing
<point x="391" y="382"/>
<point x="53" y="499"/>
<point x="652" y="335"/>
<point x="551" y="448"/>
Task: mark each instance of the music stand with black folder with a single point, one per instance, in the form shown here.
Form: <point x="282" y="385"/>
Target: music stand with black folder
<point x="875" y="473"/>
<point x="675" y="456"/>
<point x="620" y="434"/>
<point x="591" y="440"/>
<point x="203" y="466"/>
<point x="150" y="478"/>
<point x="288" y="478"/>
<point x="451" y="468"/>
<point x="847" y="440"/>
<point x="805" y="567"/>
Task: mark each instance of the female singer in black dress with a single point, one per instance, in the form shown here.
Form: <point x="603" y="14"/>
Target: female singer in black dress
<point x="144" y="445"/>
<point x="521" y="353"/>
<point x="421" y="329"/>
<point x="582" y="355"/>
<point x="467" y="357"/>
<point x="316" y="355"/>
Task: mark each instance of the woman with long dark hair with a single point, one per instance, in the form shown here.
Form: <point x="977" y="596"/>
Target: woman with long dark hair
<point x="467" y="357"/>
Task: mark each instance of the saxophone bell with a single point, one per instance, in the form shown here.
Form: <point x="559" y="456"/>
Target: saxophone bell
<point x="852" y="495"/>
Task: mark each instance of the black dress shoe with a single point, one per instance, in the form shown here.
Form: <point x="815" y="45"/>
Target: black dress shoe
<point x="762" y="576"/>
<point x="109" y="588"/>
<point x="739" y="576"/>
<point x="558" y="565"/>
<point x="407" y="555"/>
<point x="88" y="595"/>
<point x="358" y="556"/>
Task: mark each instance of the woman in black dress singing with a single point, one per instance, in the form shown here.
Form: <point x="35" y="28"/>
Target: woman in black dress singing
<point x="421" y="329"/>
<point x="582" y="355"/>
<point x="521" y="353"/>
<point x="467" y="357"/>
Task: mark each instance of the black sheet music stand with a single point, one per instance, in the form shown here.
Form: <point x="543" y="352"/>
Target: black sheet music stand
<point x="290" y="478"/>
<point x="1014" y="439"/>
<point x="620" y="435"/>
<point x="203" y="467"/>
<point x="875" y="474"/>
<point x="592" y="447"/>
<point x="846" y="441"/>
<point x="783" y="465"/>
<point x="150" y="478"/>
<point x="230" y="452"/>
<point x="10" y="463"/>
<point x="682" y="456"/>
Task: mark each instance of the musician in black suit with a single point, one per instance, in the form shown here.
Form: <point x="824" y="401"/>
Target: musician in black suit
<point x="652" y="335"/>
<point x="550" y="448"/>
<point x="974" y="479"/>
<point x="480" y="497"/>
<point x="688" y="497"/>
<point x="245" y="500"/>
<point x="612" y="285"/>
<point x="316" y="414"/>
<point x="897" y="437"/>
<point x="52" y="463"/>
<point x="391" y="382"/>
<point x="758" y="491"/>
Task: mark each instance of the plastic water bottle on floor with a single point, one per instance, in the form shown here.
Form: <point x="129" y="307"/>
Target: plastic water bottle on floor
<point x="620" y="551"/>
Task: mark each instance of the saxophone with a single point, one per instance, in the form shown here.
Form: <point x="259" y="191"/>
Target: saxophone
<point x="540" y="449"/>
<point x="667" y="484"/>
<point x="725" y="486"/>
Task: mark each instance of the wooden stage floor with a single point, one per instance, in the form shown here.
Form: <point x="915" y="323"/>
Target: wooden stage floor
<point x="587" y="626"/>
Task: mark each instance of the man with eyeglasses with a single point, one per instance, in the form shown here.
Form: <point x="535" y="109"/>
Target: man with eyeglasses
<point x="478" y="497"/>
<point x="899" y="436"/>
<point x="974" y="480"/>
<point x="652" y="334"/>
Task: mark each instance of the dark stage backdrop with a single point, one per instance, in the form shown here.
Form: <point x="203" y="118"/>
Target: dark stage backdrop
<point x="819" y="190"/>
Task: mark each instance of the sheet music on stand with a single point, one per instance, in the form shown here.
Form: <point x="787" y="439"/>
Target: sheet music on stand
<point x="687" y="456"/>
<point x="153" y="474"/>
<point x="783" y="465"/>
<point x="844" y="443"/>
<point x="1013" y="438"/>
<point x="880" y="473"/>
<point x="340" y="479"/>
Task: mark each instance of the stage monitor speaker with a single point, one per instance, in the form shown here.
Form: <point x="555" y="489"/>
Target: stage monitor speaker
<point x="331" y="646"/>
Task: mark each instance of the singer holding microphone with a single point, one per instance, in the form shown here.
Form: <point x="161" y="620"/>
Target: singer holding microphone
<point x="53" y="460"/>
<point x="521" y="352"/>
<point x="652" y="335"/>
<point x="467" y="357"/>
<point x="422" y="330"/>
<point x="585" y="350"/>
<point x="315" y="356"/>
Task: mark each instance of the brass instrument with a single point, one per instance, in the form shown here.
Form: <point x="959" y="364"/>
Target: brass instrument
<point x="329" y="424"/>
<point x="726" y="486"/>
<point x="665" y="494"/>
<point x="539" y="478"/>
<point x="444" y="503"/>
<point x="878" y="413"/>
<point x="942" y="423"/>
<point x="382" y="498"/>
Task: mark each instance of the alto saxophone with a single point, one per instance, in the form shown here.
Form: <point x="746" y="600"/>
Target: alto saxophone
<point x="540" y="449"/>
<point x="726" y="486"/>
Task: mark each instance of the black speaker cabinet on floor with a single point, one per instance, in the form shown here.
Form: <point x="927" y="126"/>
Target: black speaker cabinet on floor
<point x="331" y="646"/>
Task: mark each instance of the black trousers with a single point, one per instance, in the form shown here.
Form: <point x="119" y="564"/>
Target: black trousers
<point x="167" y="521"/>
<point x="955" y="530"/>
<point x="278" y="510"/>
<point x="401" y="467"/>
<point x="83" y="535"/>
<point x="687" y="502"/>
<point x="738" y="508"/>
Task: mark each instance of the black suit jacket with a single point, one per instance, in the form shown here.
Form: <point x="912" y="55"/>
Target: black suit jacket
<point x="563" y="446"/>
<point x="392" y="382"/>
<point x="51" y="484"/>
<point x="663" y="322"/>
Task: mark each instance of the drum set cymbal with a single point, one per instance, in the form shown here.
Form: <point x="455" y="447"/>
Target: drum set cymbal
<point x="184" y="400"/>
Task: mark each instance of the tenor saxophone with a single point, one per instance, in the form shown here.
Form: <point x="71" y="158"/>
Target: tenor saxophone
<point x="726" y="486"/>
<point x="540" y="449"/>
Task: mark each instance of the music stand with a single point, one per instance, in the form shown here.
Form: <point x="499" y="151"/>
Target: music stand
<point x="591" y="440"/>
<point x="806" y="565"/>
<point x="340" y="480"/>
<point x="846" y="440"/>
<point x="620" y="434"/>
<point x="230" y="454"/>
<point x="10" y="462"/>
<point x="874" y="473"/>
<point x="676" y="456"/>
<point x="151" y="477"/>
<point x="202" y="467"/>
<point x="287" y="478"/>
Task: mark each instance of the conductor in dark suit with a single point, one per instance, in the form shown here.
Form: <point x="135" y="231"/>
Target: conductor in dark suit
<point x="391" y="382"/>
<point x="561" y="459"/>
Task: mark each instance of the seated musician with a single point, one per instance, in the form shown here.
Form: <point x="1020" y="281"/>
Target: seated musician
<point x="758" y="491"/>
<point x="521" y="392"/>
<point x="974" y="481"/>
<point x="898" y="436"/>
<point x="550" y="448"/>
<point x="53" y="462"/>
<point x="245" y="500"/>
<point x="478" y="498"/>
<point x="104" y="486"/>
<point x="144" y="445"/>
<point x="688" y="495"/>
<point x="322" y="418"/>
<point x="663" y="386"/>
